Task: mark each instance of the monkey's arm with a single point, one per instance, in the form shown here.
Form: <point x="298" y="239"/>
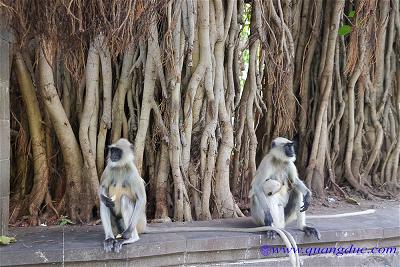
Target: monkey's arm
<point x="103" y="191"/>
<point x="299" y="185"/>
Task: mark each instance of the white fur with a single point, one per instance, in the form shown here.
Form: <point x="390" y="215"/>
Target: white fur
<point x="278" y="152"/>
<point x="133" y="210"/>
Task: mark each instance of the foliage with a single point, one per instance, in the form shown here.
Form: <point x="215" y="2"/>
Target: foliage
<point x="344" y="30"/>
<point x="244" y="37"/>
<point x="5" y="240"/>
<point x="64" y="221"/>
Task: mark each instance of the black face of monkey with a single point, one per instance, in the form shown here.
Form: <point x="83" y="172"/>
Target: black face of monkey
<point x="289" y="150"/>
<point x="115" y="154"/>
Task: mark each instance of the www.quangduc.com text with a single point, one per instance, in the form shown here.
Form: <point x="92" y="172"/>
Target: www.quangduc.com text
<point x="338" y="251"/>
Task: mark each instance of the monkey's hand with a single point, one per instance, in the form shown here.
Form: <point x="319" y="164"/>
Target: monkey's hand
<point x="127" y="233"/>
<point x="107" y="201"/>
<point x="307" y="201"/>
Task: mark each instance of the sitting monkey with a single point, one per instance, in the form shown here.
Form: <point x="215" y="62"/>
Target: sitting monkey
<point x="277" y="194"/>
<point x="122" y="198"/>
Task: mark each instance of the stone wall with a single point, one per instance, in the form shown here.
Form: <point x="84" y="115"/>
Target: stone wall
<point x="4" y="125"/>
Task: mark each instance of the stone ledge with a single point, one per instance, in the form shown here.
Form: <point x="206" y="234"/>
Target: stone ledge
<point x="82" y="246"/>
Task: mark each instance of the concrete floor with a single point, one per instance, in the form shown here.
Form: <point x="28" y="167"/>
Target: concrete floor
<point x="82" y="245"/>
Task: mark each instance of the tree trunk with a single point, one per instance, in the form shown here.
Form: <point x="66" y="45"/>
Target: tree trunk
<point x="40" y="167"/>
<point x="68" y="143"/>
<point x="87" y="145"/>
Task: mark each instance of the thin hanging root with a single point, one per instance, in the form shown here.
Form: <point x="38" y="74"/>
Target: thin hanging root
<point x="239" y="213"/>
<point x="50" y="204"/>
<point x="345" y="195"/>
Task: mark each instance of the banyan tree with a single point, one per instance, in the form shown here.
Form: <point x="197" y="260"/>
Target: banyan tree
<point x="200" y="87"/>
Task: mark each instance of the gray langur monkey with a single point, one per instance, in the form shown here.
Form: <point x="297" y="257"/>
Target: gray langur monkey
<point x="122" y="198"/>
<point x="277" y="195"/>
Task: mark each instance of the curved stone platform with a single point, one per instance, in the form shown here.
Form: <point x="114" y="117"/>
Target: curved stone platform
<point x="82" y="246"/>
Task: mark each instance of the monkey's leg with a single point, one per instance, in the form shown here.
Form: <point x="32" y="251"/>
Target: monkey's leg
<point x="105" y="216"/>
<point x="259" y="211"/>
<point x="301" y="218"/>
<point x="130" y="234"/>
<point x="277" y="215"/>
<point x="291" y="208"/>
<point x="141" y="225"/>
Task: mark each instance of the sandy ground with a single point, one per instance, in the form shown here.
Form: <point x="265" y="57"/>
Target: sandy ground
<point x="333" y="204"/>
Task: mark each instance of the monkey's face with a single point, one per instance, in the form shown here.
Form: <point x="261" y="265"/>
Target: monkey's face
<point x="120" y="153"/>
<point x="115" y="153"/>
<point x="288" y="148"/>
<point x="283" y="149"/>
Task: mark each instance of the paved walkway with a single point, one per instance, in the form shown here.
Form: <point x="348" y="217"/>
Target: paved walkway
<point x="82" y="246"/>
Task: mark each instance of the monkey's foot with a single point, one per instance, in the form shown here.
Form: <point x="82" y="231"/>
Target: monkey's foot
<point x="118" y="245"/>
<point x="311" y="231"/>
<point x="108" y="244"/>
<point x="271" y="234"/>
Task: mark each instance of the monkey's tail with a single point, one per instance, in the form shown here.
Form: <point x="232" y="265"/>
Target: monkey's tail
<point x="163" y="230"/>
<point x="287" y="238"/>
<point x="340" y="215"/>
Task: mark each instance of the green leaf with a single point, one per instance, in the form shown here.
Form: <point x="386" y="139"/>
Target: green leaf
<point x="5" y="240"/>
<point x="64" y="221"/>
<point x="352" y="201"/>
<point x="352" y="14"/>
<point x="345" y="29"/>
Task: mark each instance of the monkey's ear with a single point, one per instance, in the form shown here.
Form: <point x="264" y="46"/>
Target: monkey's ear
<point x="273" y="144"/>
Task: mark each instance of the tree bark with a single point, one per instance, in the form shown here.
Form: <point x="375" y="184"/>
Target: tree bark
<point x="40" y="167"/>
<point x="68" y="142"/>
